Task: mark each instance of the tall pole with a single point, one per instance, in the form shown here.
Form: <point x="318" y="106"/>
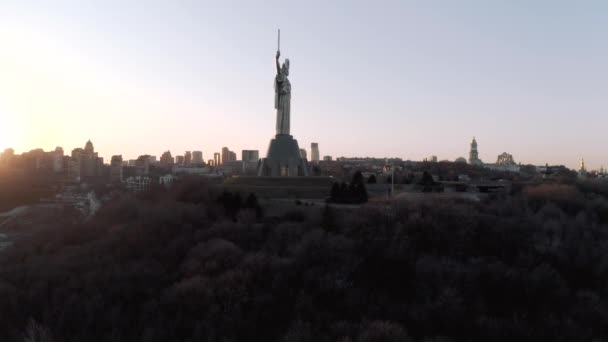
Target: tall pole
<point x="392" y="180"/>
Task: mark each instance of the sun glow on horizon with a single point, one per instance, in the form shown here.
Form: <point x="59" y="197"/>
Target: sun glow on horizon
<point x="8" y="127"/>
<point x="7" y="136"/>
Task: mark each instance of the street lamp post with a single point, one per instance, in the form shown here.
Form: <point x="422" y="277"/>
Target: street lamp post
<point x="392" y="179"/>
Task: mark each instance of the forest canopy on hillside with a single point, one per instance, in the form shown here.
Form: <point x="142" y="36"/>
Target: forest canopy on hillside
<point x="189" y="264"/>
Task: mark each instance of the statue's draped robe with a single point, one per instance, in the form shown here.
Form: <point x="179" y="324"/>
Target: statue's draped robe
<point x="282" y="102"/>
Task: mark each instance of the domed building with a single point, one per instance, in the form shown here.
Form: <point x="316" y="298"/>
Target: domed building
<point x="460" y="160"/>
<point x="504" y="162"/>
<point x="505" y="159"/>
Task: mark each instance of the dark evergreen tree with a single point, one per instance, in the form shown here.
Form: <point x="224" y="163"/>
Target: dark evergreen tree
<point x="232" y="203"/>
<point x="343" y="190"/>
<point x="358" y="178"/>
<point x="328" y="220"/>
<point x="427" y="179"/>
<point x="358" y="185"/>
<point x="335" y="192"/>
<point x="252" y="203"/>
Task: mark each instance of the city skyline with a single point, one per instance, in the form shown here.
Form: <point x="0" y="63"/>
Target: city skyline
<point x="194" y="157"/>
<point x="418" y="80"/>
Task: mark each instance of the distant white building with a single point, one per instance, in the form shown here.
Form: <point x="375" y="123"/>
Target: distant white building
<point x="138" y="183"/>
<point x="464" y="178"/>
<point x="166" y="180"/>
<point x="503" y="167"/>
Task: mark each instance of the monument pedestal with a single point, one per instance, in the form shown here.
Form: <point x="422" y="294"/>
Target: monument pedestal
<point x="283" y="158"/>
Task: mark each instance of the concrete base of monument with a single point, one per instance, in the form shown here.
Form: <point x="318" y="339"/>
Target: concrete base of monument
<point x="283" y="159"/>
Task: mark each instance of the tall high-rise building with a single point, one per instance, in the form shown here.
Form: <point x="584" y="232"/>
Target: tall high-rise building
<point x="84" y="163"/>
<point x="116" y="169"/>
<point x="188" y="158"/>
<point x="314" y="152"/>
<point x="166" y="159"/>
<point x="179" y="160"/>
<point x="89" y="162"/>
<point x="197" y="158"/>
<point x="303" y="154"/>
<point x="474" y="154"/>
<point x="225" y="154"/>
<point x="57" y="159"/>
<point x="142" y="165"/>
<point x="217" y="159"/>
<point x="250" y="155"/>
<point x="74" y="165"/>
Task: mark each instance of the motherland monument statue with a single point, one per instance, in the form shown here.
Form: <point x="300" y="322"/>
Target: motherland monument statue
<point x="283" y="156"/>
<point x="282" y="96"/>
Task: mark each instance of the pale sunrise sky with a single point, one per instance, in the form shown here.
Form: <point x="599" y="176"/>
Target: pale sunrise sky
<point x="369" y="78"/>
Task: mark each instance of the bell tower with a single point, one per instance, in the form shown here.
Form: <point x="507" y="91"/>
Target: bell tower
<point x="474" y="154"/>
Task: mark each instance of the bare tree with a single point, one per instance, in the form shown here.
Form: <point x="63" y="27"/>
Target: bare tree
<point x="36" y="332"/>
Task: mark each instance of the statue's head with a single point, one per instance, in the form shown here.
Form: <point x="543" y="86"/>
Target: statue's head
<point x="285" y="68"/>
